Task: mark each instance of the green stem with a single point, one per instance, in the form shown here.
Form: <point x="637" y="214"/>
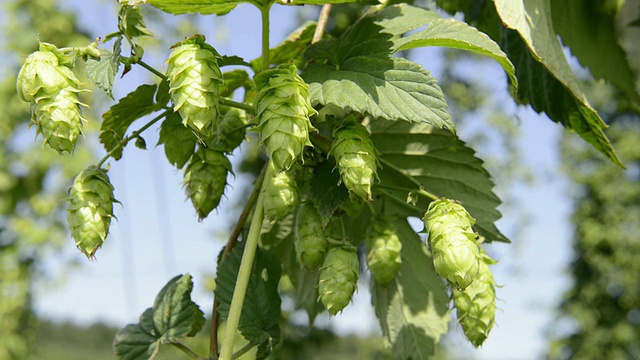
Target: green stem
<point x="322" y="23"/>
<point x="248" y="108"/>
<point x="243" y="278"/>
<point x="133" y="135"/>
<point x="264" y="10"/>
<point x="150" y="68"/>
<point x="186" y="350"/>
<point x="242" y="351"/>
<point x="231" y="242"/>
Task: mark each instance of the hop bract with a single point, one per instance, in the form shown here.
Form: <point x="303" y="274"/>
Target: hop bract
<point x="281" y="194"/>
<point x="205" y="179"/>
<point x="355" y="158"/>
<point x="283" y="110"/>
<point x="194" y="79"/>
<point x="383" y="252"/>
<point x="456" y="255"/>
<point x="476" y="306"/>
<point x="338" y="278"/>
<point x="90" y="209"/>
<point x="46" y="81"/>
<point x="310" y="242"/>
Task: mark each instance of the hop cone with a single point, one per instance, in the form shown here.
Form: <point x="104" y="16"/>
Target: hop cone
<point x="355" y="158"/>
<point x="338" y="278"/>
<point x="205" y="179"/>
<point x="383" y="252"/>
<point x="50" y="86"/>
<point x="194" y="78"/>
<point x="456" y="255"/>
<point x="283" y="109"/>
<point x="90" y="209"/>
<point x="310" y="241"/>
<point x="476" y="306"/>
<point x="281" y="195"/>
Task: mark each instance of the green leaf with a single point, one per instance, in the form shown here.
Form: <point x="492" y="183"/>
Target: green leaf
<point x="179" y="141"/>
<point x="204" y="7"/>
<point x="103" y="72"/>
<point x="173" y="316"/>
<point x="322" y="2"/>
<point x="234" y="60"/>
<point x="389" y="88"/>
<point x="234" y="80"/>
<point x="327" y="195"/>
<point x="545" y="77"/>
<point x="291" y="49"/>
<point x="418" y="156"/>
<point x="120" y="116"/>
<point x="590" y="33"/>
<point x="413" y="309"/>
<point x="458" y="35"/>
<point x="130" y="22"/>
<point x="259" y="320"/>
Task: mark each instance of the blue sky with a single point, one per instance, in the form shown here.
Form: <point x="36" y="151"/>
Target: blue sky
<point x="157" y="234"/>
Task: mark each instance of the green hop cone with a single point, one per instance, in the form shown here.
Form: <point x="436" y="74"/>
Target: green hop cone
<point x="230" y="132"/>
<point x="205" y="179"/>
<point x="383" y="252"/>
<point x="310" y="241"/>
<point x="194" y="79"/>
<point x="90" y="209"/>
<point x="456" y="255"/>
<point x="355" y="158"/>
<point x="283" y="110"/>
<point x="338" y="278"/>
<point x="476" y="306"/>
<point x="46" y="81"/>
<point x="280" y="194"/>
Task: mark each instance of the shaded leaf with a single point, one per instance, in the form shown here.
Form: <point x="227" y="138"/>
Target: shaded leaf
<point x="259" y="320"/>
<point x="545" y="77"/>
<point x="226" y="60"/>
<point x="120" y="116"/>
<point x="326" y="194"/>
<point x="173" y="316"/>
<point x="418" y="156"/>
<point x="412" y="310"/>
<point x="204" y="7"/>
<point x="590" y="34"/>
<point x="178" y="140"/>
<point x="233" y="80"/>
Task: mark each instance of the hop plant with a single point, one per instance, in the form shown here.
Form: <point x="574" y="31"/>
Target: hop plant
<point x="280" y="194"/>
<point x="47" y="82"/>
<point x="355" y="158"/>
<point x="194" y="79"/>
<point x="90" y="209"/>
<point x="230" y="132"/>
<point x="205" y="179"/>
<point x="383" y="252"/>
<point x="456" y="255"/>
<point x="310" y="241"/>
<point x="476" y="305"/>
<point x="338" y="278"/>
<point x="283" y="110"/>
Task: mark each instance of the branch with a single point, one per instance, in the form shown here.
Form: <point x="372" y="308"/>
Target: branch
<point x="322" y="23"/>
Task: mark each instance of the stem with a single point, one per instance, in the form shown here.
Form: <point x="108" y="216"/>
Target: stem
<point x="264" y="10"/>
<point x="154" y="71"/>
<point x="233" y="239"/>
<point x="322" y="23"/>
<point x="424" y="192"/>
<point x="133" y="135"/>
<point x="243" y="278"/>
<point x="248" y="108"/>
<point x="242" y="351"/>
<point x="186" y="350"/>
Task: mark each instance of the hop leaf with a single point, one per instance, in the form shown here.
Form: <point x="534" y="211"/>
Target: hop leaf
<point x="383" y="252"/>
<point x="283" y="110"/>
<point x="476" y="306"/>
<point x="46" y="81"/>
<point x="90" y="209"/>
<point x="194" y="79"/>
<point x="230" y="132"/>
<point x="281" y="194"/>
<point x="456" y="255"/>
<point x="355" y="158"/>
<point x="338" y="278"/>
<point x="310" y="241"/>
<point x="205" y="179"/>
